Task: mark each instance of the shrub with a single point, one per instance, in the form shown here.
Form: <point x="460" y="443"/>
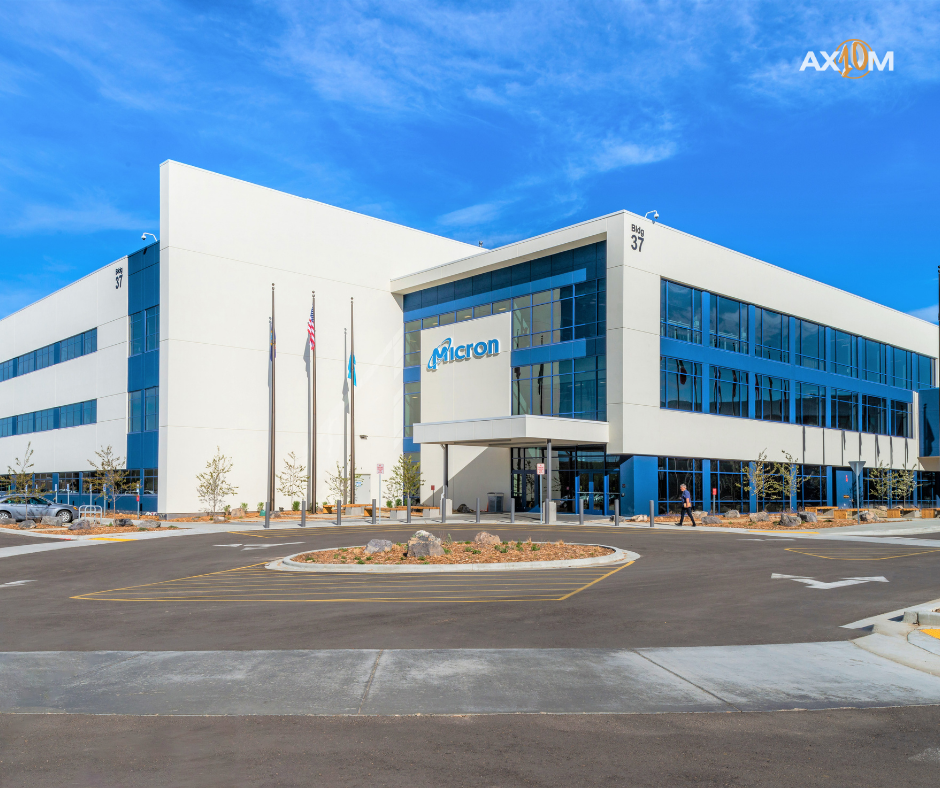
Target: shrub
<point x="295" y="506"/>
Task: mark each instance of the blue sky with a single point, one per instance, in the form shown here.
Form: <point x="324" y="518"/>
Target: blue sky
<point x="482" y="122"/>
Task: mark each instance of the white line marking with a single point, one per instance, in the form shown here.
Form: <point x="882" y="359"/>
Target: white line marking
<point x="17" y="583"/>
<point x="266" y="546"/>
<point x="237" y="544"/>
<point x="819" y="584"/>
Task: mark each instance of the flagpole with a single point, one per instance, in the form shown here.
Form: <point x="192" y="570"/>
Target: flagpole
<point x="352" y="406"/>
<point x="272" y="352"/>
<point x="312" y="465"/>
<point x="345" y="422"/>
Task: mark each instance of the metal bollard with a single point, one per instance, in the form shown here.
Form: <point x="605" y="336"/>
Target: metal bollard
<point x="408" y="520"/>
<point x="616" y="511"/>
<point x="652" y="515"/>
<point x="478" y="510"/>
<point x="339" y="512"/>
<point x="303" y="514"/>
<point x="267" y="514"/>
<point x="512" y="510"/>
<point x="581" y="512"/>
<point x="443" y="509"/>
<point x="373" y="511"/>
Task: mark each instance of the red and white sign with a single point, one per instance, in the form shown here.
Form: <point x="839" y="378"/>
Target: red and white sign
<point x="540" y="469"/>
<point x="380" y="468"/>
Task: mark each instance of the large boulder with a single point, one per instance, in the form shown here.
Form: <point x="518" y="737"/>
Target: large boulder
<point x="26" y="525"/>
<point x="79" y="525"/>
<point x="378" y="546"/>
<point x="148" y="524"/>
<point x="123" y="522"/>
<point x="866" y="516"/>
<point x="51" y="521"/>
<point x="218" y="518"/>
<point x="424" y="545"/>
<point x="237" y="514"/>
<point x="732" y="514"/>
<point x="759" y="517"/>
<point x="808" y="517"/>
<point x="712" y="520"/>
<point x="790" y="520"/>
<point x="485" y="538"/>
<point x="464" y="509"/>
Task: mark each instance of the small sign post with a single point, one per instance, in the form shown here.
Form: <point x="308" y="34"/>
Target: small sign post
<point x="540" y="470"/>
<point x="380" y="469"/>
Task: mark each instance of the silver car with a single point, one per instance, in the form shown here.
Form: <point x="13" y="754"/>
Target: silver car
<point x="32" y="507"/>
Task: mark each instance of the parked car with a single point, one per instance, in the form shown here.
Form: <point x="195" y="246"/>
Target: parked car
<point x="32" y="507"/>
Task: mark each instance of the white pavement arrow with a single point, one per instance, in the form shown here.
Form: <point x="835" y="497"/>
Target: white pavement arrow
<point x="846" y="581"/>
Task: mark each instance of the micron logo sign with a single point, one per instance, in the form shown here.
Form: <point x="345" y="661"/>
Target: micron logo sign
<point x="447" y="352"/>
<point x="853" y="59"/>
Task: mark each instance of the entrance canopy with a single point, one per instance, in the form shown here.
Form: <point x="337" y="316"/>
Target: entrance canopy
<point x="512" y="431"/>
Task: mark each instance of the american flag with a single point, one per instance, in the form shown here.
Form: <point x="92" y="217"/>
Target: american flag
<point x="311" y="331"/>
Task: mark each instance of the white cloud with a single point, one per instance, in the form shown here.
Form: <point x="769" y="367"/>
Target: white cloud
<point x="928" y="313"/>
<point x="473" y="215"/>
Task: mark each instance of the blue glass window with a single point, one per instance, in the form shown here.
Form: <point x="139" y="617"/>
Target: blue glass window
<point x="412" y="343"/>
<point x="90" y="411"/>
<point x="137" y="333"/>
<point x="152" y="321"/>
<point x="729" y="486"/>
<point x="135" y="413"/>
<point x="680" y="384"/>
<point x="151" y="408"/>
<point x="901" y="419"/>
<point x="844" y="410"/>
<point x="923" y="371"/>
<point x="7" y="426"/>
<point x="729" y="391"/>
<point x="8" y="369"/>
<point x="810" y="345"/>
<point x="680" y="312"/>
<point x="872" y="357"/>
<point x="728" y="324"/>
<point x="772" y="402"/>
<point x="150" y="481"/>
<point x="901" y="368"/>
<point x="44" y="420"/>
<point x="412" y="407"/>
<point x="773" y="335"/>
<point x="570" y="388"/>
<point x="811" y="489"/>
<point x="810" y="405"/>
<point x="24" y="423"/>
<point x="45" y="357"/>
<point x="874" y="415"/>
<point x="844" y="353"/>
<point x="676" y="471"/>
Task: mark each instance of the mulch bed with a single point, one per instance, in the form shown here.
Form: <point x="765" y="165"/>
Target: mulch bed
<point x="744" y="522"/>
<point x="461" y="553"/>
<point x="109" y="529"/>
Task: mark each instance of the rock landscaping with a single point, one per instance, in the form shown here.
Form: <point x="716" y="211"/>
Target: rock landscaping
<point x="425" y="548"/>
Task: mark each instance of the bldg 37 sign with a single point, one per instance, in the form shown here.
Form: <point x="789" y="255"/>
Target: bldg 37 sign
<point x="853" y="59"/>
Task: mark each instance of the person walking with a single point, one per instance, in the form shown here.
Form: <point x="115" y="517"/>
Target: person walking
<point x="686" y="505"/>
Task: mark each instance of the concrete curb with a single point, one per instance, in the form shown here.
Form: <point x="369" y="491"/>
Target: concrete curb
<point x="897" y="649"/>
<point x="289" y="565"/>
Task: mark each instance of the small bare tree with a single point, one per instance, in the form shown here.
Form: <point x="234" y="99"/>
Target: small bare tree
<point x="880" y="481"/>
<point x="21" y="477"/>
<point x="904" y="482"/>
<point x="293" y="480"/>
<point x="763" y="480"/>
<point x="405" y="480"/>
<point x="337" y="483"/>
<point x="110" y="476"/>
<point x="788" y="477"/>
<point x="214" y="487"/>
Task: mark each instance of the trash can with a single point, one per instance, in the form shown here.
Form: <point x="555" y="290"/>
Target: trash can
<point x="494" y="502"/>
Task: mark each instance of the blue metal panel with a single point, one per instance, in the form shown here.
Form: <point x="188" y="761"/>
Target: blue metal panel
<point x="844" y="488"/>
<point x="143" y="370"/>
<point x="142" y="450"/>
<point x="930" y="423"/>
<point x="639" y="484"/>
<point x="540" y="355"/>
<point x="412" y="374"/>
<point x="143" y="281"/>
<point x="707" y="485"/>
<point x="408" y="444"/>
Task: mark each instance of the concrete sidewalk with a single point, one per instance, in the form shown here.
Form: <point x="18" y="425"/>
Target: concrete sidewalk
<point x="460" y="681"/>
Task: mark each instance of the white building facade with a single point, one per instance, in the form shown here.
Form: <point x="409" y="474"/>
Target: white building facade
<point x="625" y="356"/>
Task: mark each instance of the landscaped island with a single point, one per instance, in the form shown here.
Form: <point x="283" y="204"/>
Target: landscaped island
<point x="423" y="548"/>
